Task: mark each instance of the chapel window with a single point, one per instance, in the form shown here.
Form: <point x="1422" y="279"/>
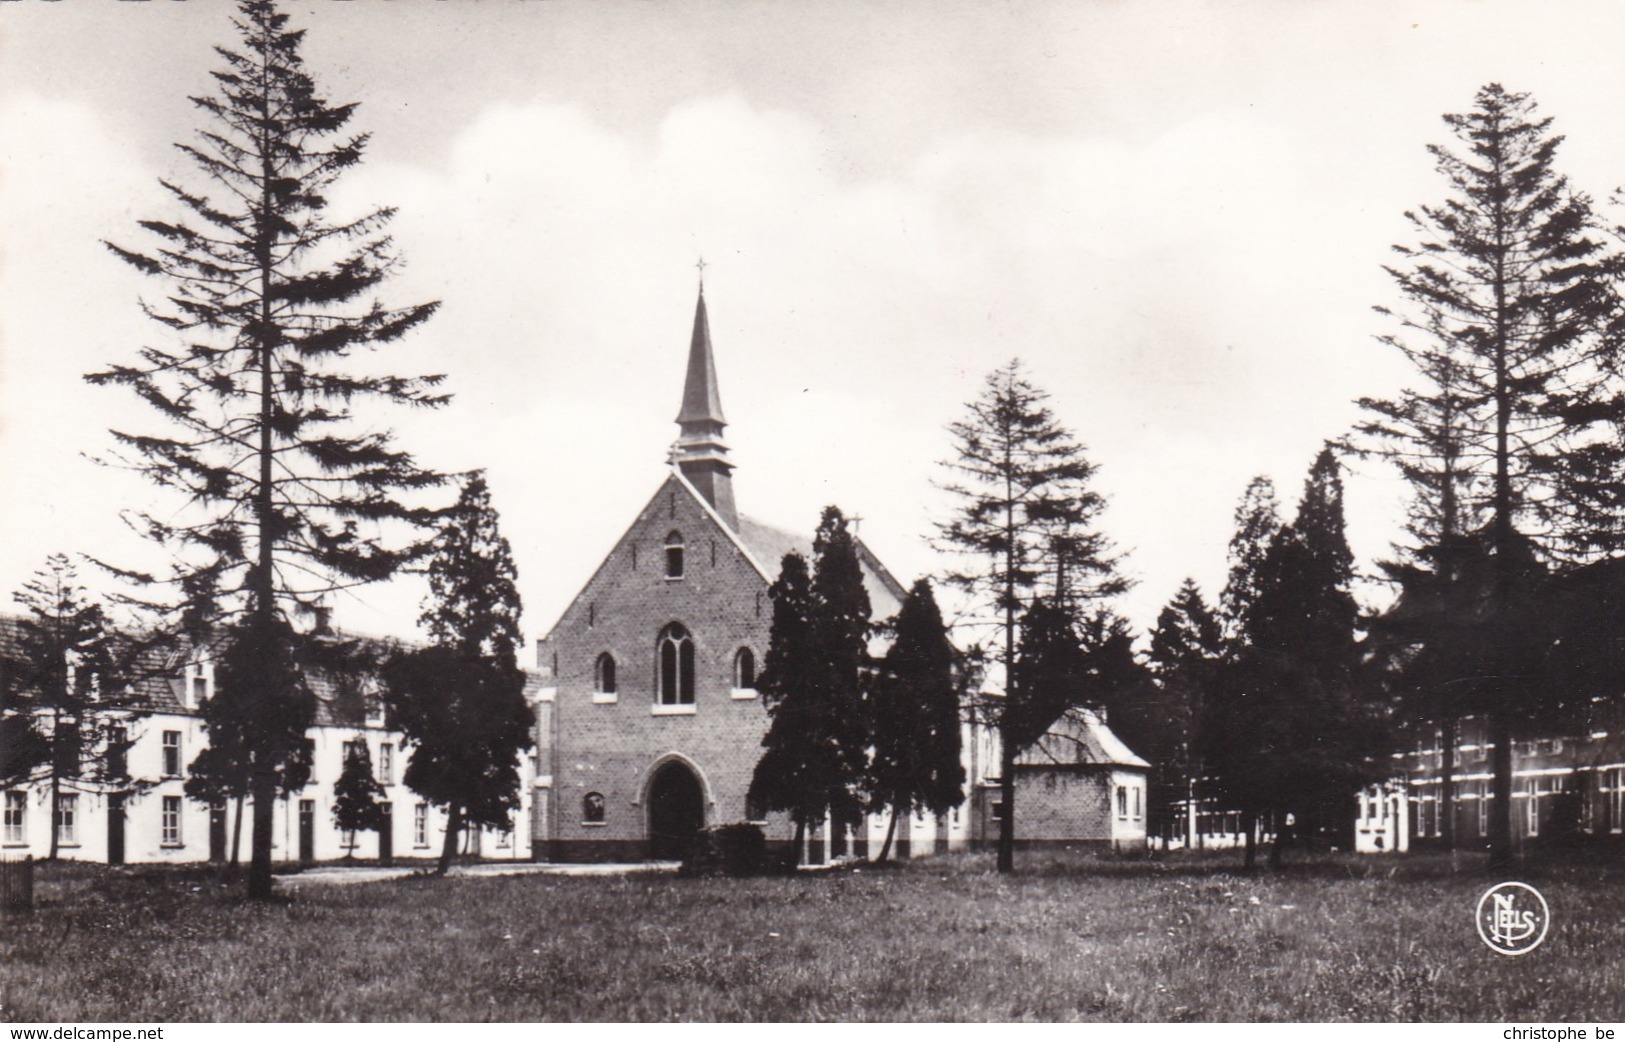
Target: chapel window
<point x="745" y="669"/>
<point x="603" y="674"/>
<point x="675" y="662"/>
<point x="592" y="808"/>
<point x="674" y="555"/>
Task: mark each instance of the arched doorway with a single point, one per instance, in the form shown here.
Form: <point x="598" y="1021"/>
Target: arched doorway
<point x="676" y="810"/>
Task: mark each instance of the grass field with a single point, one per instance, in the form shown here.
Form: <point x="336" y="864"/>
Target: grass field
<point x="941" y="939"/>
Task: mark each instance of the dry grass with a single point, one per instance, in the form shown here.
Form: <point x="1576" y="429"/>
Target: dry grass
<point x="942" y="939"/>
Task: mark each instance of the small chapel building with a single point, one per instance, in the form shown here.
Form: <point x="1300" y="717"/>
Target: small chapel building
<point x="649" y="724"/>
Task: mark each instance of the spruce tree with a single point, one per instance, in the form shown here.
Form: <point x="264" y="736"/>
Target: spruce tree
<point x="1511" y="314"/>
<point x="916" y="764"/>
<point x="1186" y="648"/>
<point x="67" y="699"/>
<point x="284" y="489"/>
<point x="460" y="701"/>
<point x="1257" y="519"/>
<point x="356" y="794"/>
<point x="1025" y="522"/>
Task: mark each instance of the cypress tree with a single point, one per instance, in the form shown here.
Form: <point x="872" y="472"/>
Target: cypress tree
<point x="916" y="764"/>
<point x="356" y="793"/>
<point x="460" y="701"/>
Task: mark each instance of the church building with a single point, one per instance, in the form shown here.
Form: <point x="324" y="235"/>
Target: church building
<point x="649" y="724"/>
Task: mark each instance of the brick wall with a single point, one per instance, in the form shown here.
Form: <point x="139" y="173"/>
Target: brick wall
<point x="612" y="748"/>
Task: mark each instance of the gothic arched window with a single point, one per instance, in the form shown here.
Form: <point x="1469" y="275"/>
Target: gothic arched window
<point x="675" y="666"/>
<point x="674" y="555"/>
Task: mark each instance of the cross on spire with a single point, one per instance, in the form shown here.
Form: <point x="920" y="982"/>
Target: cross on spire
<point x="700" y="267"/>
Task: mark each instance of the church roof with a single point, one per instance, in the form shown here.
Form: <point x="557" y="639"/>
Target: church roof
<point x="769" y="544"/>
<point x="701" y="400"/>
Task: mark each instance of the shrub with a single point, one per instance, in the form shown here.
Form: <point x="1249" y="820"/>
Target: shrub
<point x="728" y="850"/>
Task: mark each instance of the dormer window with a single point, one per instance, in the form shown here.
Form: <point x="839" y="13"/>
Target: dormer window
<point x="199" y="684"/>
<point x="372" y="698"/>
<point x="674" y="555"/>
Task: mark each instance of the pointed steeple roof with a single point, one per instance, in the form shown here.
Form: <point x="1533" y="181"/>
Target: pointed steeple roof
<point x="701" y="400"/>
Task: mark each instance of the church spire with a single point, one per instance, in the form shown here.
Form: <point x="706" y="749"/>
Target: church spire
<point x="701" y="453"/>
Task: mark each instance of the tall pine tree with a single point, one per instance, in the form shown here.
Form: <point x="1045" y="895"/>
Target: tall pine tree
<point x="1512" y="318"/>
<point x="285" y="490"/>
<point x="1024" y="521"/>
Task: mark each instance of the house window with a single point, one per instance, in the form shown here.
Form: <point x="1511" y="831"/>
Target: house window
<point x="67" y="819"/>
<point x="592" y="808"/>
<point x="1484" y="809"/>
<point x="1122" y="801"/>
<point x="953" y="816"/>
<point x="1532" y="807"/>
<point x="505" y="838"/>
<point x="603" y="675"/>
<point x="995" y="810"/>
<point x="1616" y="802"/>
<point x="674" y="555"/>
<point x="755" y="809"/>
<point x="1136" y="803"/>
<point x="172" y="754"/>
<point x="676" y="666"/>
<point x="386" y="764"/>
<point x="170" y="823"/>
<point x="420" y="825"/>
<point x="16" y="817"/>
<point x="745" y="669"/>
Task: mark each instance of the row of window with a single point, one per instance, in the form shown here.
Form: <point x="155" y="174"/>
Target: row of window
<point x="65" y="819"/>
<point x="1611" y="789"/>
<point x="14" y="830"/>
<point x="384" y="769"/>
<point x="674" y="669"/>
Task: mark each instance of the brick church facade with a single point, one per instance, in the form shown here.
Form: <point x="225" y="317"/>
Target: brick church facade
<point x="649" y="721"/>
<point x="649" y="724"/>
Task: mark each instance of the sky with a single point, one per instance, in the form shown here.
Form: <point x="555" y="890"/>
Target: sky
<point x="1175" y="214"/>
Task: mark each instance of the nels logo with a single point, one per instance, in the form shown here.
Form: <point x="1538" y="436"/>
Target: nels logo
<point x="1513" y="918"/>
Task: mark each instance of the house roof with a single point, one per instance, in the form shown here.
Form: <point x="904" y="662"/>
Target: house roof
<point x="157" y="674"/>
<point x="1080" y="738"/>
